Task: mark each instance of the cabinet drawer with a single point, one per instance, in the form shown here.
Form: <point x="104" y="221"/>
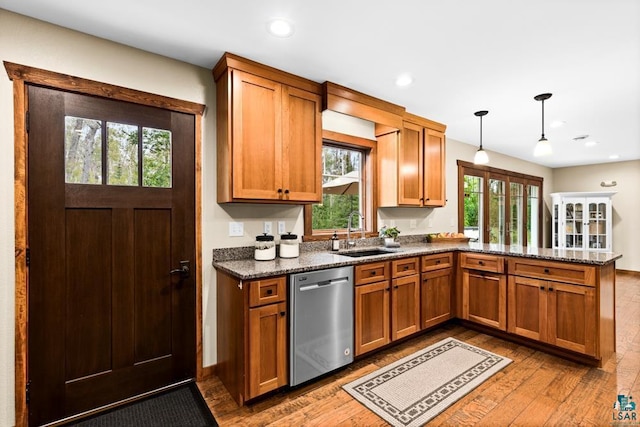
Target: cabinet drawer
<point x="267" y="291"/>
<point x="373" y="272"/>
<point x="549" y="270"/>
<point x="482" y="262"/>
<point x="437" y="261"/>
<point x="405" y="267"/>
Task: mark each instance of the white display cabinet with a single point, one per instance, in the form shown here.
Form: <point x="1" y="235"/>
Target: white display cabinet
<point x="582" y="220"/>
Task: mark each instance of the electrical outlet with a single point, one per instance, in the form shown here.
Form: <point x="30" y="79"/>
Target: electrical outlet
<point x="453" y="222"/>
<point x="268" y="227"/>
<point x="412" y="223"/>
<point x="282" y="229"/>
<point x="392" y="223"/>
<point x="430" y="223"/>
<point x="236" y="229"/>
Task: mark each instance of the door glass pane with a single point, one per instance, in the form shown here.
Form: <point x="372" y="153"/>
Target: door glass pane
<point x="473" y="189"/>
<point x="496" y="211"/>
<point x="533" y="210"/>
<point x="156" y="158"/>
<point x="597" y="225"/>
<point x="573" y="224"/>
<point x="122" y="154"/>
<point x="82" y="151"/>
<point x="341" y="189"/>
<point x="516" y="203"/>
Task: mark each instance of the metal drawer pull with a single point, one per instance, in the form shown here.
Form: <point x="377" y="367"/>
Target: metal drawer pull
<point x="269" y="291"/>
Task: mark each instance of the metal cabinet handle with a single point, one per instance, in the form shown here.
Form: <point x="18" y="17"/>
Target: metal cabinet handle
<point x="481" y="262"/>
<point x="269" y="291"/>
<point x="546" y="270"/>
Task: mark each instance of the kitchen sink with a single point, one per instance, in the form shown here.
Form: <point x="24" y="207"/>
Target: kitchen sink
<point x="367" y="252"/>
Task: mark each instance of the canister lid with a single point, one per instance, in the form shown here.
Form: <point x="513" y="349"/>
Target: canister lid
<point x="288" y="236"/>
<point x="264" y="238"/>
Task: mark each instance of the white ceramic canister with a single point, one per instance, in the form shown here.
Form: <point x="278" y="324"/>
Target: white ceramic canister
<point x="289" y="246"/>
<point x="265" y="248"/>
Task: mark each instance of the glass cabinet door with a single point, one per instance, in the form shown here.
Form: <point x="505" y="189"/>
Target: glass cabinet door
<point x="573" y="222"/>
<point x="597" y="225"/>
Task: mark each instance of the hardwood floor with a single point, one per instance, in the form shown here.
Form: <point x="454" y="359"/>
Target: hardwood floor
<point x="536" y="389"/>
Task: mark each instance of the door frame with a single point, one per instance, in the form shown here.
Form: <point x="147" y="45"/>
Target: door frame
<point x="22" y="75"/>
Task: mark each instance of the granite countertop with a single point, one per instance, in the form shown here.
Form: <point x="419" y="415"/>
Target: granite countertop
<point x="248" y="268"/>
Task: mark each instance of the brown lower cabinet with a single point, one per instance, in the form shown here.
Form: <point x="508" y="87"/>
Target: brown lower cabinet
<point x="436" y="289"/>
<point x="484" y="290"/>
<point x="252" y="335"/>
<point x="557" y="313"/>
<point x="569" y="307"/>
<point x="387" y="302"/>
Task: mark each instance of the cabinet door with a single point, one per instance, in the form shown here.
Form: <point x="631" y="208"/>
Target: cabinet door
<point x="267" y="352"/>
<point x="572" y="317"/>
<point x="257" y="137"/>
<point x="435" y="297"/>
<point x="372" y="317"/>
<point x="410" y="157"/>
<point x="573" y="214"/>
<point x="302" y="146"/>
<point x="484" y="298"/>
<point x="434" y="168"/>
<point x="405" y="306"/>
<point x="527" y="307"/>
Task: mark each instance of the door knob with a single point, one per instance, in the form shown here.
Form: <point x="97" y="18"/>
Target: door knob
<point x="184" y="271"/>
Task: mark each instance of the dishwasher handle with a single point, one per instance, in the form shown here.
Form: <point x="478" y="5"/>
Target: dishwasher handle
<point x="323" y="283"/>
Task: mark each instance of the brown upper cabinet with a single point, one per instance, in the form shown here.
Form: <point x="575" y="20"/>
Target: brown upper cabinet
<point x="412" y="160"/>
<point x="269" y="134"/>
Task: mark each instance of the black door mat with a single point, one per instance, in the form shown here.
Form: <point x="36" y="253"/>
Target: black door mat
<point x="183" y="406"/>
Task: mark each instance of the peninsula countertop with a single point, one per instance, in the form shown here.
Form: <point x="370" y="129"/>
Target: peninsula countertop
<point x="246" y="269"/>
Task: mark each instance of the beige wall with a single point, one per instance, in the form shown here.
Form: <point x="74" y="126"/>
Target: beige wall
<point x="626" y="202"/>
<point x="35" y="43"/>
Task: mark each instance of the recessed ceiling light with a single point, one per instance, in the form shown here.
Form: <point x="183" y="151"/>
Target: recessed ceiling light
<point x="404" y="80"/>
<point x="557" y="124"/>
<point x="280" y="27"/>
<point x="591" y="143"/>
<point x="614" y="156"/>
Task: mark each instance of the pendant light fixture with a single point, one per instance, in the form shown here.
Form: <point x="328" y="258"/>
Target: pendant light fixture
<point x="481" y="157"/>
<point x="543" y="147"/>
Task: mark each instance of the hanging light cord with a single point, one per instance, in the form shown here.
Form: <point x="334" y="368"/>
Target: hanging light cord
<point x="543" y="138"/>
<point x="481" y="132"/>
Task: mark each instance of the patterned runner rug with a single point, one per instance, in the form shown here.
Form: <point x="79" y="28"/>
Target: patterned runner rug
<point x="415" y="389"/>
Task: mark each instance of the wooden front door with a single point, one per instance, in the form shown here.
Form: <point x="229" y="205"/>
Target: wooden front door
<point x="111" y="212"/>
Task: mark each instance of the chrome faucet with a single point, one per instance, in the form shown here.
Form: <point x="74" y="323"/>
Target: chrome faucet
<point x="351" y="243"/>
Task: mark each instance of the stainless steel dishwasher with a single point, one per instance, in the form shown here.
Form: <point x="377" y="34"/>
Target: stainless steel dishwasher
<point x="321" y="322"/>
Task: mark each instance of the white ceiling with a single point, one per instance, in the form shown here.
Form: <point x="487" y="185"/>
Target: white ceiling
<point x="464" y="55"/>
